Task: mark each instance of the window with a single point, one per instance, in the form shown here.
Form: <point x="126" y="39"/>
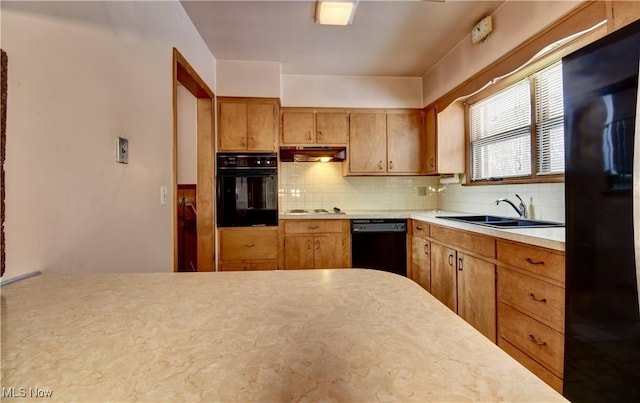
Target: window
<point x="505" y="133"/>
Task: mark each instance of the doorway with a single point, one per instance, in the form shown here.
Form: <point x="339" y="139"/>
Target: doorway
<point x="197" y="204"/>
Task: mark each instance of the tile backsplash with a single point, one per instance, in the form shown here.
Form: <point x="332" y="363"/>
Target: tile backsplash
<point x="309" y="185"/>
<point x="545" y="201"/>
<point x="315" y="185"/>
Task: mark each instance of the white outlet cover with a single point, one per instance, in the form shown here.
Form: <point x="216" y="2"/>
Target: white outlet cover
<point x="163" y="195"/>
<point x="122" y="150"/>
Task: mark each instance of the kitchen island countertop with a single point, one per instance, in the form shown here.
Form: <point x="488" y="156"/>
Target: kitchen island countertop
<point x="330" y="335"/>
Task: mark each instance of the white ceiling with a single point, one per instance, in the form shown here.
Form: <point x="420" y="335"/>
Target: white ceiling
<point x="387" y="38"/>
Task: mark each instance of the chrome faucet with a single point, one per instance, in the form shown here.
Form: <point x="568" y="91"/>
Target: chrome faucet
<point x="521" y="209"/>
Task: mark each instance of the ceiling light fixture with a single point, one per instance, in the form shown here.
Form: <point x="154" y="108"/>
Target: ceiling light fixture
<point x="335" y="12"/>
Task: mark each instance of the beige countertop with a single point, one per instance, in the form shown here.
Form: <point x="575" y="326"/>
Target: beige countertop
<point x="317" y="335"/>
<point x="553" y="238"/>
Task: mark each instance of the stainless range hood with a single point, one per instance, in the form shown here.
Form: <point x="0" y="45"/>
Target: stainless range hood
<point x="312" y="154"/>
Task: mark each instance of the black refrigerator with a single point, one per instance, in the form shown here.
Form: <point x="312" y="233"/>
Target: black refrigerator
<point x="602" y="322"/>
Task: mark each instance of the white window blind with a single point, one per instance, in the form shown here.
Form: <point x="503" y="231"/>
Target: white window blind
<point x="550" y="122"/>
<point x="500" y="133"/>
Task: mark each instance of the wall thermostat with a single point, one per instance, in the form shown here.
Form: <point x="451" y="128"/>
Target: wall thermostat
<point x="482" y="30"/>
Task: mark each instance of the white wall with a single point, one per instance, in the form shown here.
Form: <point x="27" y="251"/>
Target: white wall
<point x="248" y="79"/>
<point x="316" y="185"/>
<point x="351" y="91"/>
<point x="187" y="137"/>
<point x="81" y="74"/>
<point x="513" y="23"/>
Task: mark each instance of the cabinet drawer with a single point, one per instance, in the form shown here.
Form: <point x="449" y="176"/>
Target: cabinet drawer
<point x="539" y="342"/>
<point x="420" y="228"/>
<point x="248" y="244"/>
<point x="535" y="260"/>
<point x="479" y="244"/>
<point x="538" y="299"/>
<point x="312" y="226"/>
<point x="240" y="265"/>
<point x="540" y="371"/>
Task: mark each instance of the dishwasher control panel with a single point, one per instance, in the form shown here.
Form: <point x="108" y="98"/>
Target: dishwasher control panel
<point x="378" y="225"/>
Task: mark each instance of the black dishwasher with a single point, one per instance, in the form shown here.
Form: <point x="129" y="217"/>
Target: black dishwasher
<point x="379" y="244"/>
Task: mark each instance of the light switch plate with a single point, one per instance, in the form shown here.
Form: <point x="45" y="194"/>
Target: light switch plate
<point x="482" y="30"/>
<point x="122" y="150"/>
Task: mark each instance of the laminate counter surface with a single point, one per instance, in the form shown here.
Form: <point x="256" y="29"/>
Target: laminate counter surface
<point x="552" y="238"/>
<point x="318" y="335"/>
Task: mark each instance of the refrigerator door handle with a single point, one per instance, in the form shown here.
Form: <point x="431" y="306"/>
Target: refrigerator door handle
<point x="636" y="190"/>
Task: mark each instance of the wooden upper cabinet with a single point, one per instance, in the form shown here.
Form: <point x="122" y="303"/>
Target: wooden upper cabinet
<point x="621" y="13"/>
<point x="430" y="152"/>
<point x="261" y="127"/>
<point x="310" y="126"/>
<point x="332" y="127"/>
<point x="367" y="143"/>
<point x="404" y="141"/>
<point x="298" y="127"/>
<point x="385" y="143"/>
<point x="232" y="131"/>
<point x="247" y="124"/>
<point x="444" y="150"/>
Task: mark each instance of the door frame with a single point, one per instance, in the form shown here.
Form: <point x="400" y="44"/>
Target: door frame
<point x="184" y="74"/>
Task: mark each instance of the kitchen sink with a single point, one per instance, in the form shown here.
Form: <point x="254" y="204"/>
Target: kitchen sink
<point x="502" y="222"/>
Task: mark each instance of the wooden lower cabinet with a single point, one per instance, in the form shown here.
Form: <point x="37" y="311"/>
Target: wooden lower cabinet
<point x="477" y="294"/>
<point x="531" y="308"/>
<point x="463" y="281"/>
<point x="420" y="247"/>
<point x="421" y="261"/>
<point x="316" y="244"/>
<point x="513" y="293"/>
<point x="444" y="275"/>
<point x="248" y="248"/>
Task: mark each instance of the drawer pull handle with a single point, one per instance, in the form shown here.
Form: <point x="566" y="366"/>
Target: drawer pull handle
<point x="533" y="297"/>
<point x="250" y="245"/>
<point x="426" y="249"/>
<point x="531" y="261"/>
<point x="314" y="227"/>
<point x="450" y="260"/>
<point x="538" y="342"/>
<point x="419" y="228"/>
<point x="460" y="264"/>
<point x="317" y="245"/>
<point x="308" y="245"/>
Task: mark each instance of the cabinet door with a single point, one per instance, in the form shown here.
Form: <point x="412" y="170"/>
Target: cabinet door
<point x="298" y="252"/>
<point x="332" y="128"/>
<point x="443" y="275"/>
<point x="367" y="143"/>
<point x="261" y="129"/>
<point x="404" y="141"/>
<point x="326" y="254"/>
<point x="431" y="135"/>
<point x="232" y="135"/>
<point x="297" y="128"/>
<point x="421" y="262"/>
<point x="477" y="294"/>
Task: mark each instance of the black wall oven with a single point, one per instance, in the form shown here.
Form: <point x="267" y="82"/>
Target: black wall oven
<point x="247" y="189"/>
